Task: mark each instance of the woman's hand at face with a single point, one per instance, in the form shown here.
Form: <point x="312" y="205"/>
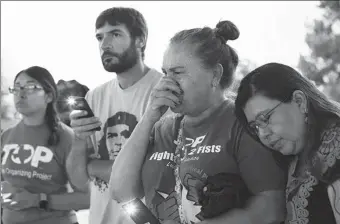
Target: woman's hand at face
<point x="166" y="93"/>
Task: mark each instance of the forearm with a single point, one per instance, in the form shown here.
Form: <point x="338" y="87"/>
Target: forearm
<point x="100" y="169"/>
<point x="76" y="166"/>
<point x="69" y="201"/>
<point x="126" y="171"/>
<point x="265" y="208"/>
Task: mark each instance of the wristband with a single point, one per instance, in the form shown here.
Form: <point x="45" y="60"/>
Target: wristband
<point x="43" y="202"/>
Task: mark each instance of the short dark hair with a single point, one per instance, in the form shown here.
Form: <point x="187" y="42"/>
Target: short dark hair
<point x="212" y="48"/>
<point x="122" y="118"/>
<point x="131" y="18"/>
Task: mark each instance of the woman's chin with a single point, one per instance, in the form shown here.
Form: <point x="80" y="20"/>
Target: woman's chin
<point x="24" y="111"/>
<point x="280" y="147"/>
<point x="286" y="149"/>
<point x="285" y="152"/>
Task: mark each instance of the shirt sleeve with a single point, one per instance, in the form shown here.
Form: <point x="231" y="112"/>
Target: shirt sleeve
<point x="329" y="153"/>
<point x="257" y="166"/>
<point x="162" y="133"/>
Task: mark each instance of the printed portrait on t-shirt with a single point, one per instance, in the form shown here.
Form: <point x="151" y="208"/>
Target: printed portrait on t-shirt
<point x="116" y="131"/>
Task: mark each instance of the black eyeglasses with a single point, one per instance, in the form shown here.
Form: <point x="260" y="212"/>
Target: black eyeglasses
<point x="28" y="89"/>
<point x="261" y="121"/>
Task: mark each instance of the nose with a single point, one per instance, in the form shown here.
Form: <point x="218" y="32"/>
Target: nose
<point x="173" y="77"/>
<point x="264" y="133"/>
<point x="106" y="43"/>
<point x="21" y="94"/>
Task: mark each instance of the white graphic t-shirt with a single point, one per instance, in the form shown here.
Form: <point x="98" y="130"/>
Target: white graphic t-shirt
<point x="119" y="110"/>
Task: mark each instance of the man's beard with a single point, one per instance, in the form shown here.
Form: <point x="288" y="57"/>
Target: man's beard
<point x="126" y="60"/>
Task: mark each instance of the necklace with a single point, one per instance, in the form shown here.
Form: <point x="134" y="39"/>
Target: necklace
<point x="180" y="144"/>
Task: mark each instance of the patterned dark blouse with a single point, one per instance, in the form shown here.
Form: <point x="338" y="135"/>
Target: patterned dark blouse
<point x="307" y="197"/>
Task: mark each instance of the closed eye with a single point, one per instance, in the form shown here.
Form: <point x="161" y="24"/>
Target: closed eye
<point x="263" y="116"/>
<point x="252" y="125"/>
<point x="177" y="74"/>
<point x="267" y="117"/>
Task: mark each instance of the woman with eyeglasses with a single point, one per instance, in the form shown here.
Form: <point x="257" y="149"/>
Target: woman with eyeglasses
<point x="34" y="154"/>
<point x="287" y="113"/>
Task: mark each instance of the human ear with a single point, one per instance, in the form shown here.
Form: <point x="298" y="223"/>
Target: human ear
<point x="301" y="100"/>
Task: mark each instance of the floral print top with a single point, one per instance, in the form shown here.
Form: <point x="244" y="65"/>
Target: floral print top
<point x="306" y="194"/>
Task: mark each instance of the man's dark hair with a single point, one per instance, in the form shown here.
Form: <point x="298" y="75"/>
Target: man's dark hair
<point x="131" y="18"/>
<point x="122" y="118"/>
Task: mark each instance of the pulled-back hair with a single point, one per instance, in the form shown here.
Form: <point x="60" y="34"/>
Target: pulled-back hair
<point x="45" y="79"/>
<point x="131" y="18"/>
<point x="210" y="45"/>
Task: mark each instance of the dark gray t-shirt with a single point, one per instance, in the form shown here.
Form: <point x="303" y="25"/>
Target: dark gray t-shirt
<point x="29" y="163"/>
<point x="211" y="150"/>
